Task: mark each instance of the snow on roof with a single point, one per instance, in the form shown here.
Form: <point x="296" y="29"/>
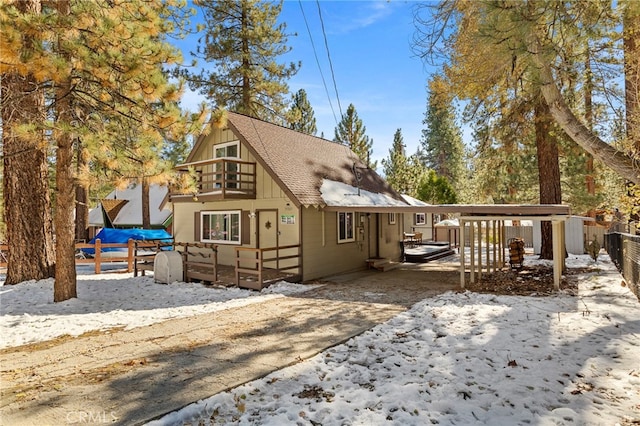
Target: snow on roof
<point x="131" y="213"/>
<point x="414" y="201"/>
<point x="343" y="195"/>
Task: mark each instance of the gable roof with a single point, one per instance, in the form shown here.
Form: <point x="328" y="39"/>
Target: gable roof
<point x="111" y="208"/>
<point x="300" y="163"/>
<point x="124" y="207"/>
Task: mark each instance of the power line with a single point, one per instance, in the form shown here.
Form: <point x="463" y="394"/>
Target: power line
<point x="326" y="45"/>
<point x="313" y="46"/>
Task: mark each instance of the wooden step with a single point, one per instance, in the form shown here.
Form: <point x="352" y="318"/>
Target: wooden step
<point x="382" y="264"/>
<point x="388" y="266"/>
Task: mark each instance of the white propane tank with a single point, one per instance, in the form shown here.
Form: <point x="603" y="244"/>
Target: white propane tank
<point x="167" y="267"/>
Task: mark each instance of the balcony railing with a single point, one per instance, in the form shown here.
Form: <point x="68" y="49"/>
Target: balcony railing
<point x="219" y="179"/>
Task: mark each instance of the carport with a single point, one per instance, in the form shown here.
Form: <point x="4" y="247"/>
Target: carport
<point x="487" y="221"/>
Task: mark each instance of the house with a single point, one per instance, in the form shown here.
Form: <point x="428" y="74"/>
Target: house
<point x="123" y="209"/>
<point x="419" y="221"/>
<point x="297" y="202"/>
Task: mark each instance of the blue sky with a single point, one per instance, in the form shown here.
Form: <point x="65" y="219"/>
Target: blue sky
<point x="374" y="67"/>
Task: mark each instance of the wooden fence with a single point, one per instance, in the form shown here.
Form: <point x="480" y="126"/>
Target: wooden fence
<point x="100" y="256"/>
<point x="199" y="260"/>
<point x="526" y="233"/>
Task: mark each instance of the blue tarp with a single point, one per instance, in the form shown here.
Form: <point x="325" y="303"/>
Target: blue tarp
<point x="113" y="235"/>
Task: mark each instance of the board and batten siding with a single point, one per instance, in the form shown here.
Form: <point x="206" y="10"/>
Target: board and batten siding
<point x="269" y="196"/>
<point x="390" y="236"/>
<point x="322" y="254"/>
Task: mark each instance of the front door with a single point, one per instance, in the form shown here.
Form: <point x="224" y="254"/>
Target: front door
<point x="267" y="223"/>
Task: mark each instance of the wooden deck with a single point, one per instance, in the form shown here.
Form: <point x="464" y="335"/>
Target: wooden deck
<point x="227" y="276"/>
<point x="426" y="252"/>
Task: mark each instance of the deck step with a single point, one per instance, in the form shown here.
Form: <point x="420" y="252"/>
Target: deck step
<point x="382" y="264"/>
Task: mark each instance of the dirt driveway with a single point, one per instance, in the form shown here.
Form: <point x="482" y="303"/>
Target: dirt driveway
<point x="129" y="377"/>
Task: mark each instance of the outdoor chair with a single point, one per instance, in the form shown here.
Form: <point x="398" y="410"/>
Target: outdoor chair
<point x="408" y="239"/>
<point x="417" y="239"/>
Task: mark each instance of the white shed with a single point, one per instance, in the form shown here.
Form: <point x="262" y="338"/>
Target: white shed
<point x="573" y="234"/>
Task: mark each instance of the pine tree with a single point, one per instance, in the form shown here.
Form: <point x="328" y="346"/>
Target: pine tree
<point x="394" y="166"/>
<point x="442" y="148"/>
<point x="631" y="45"/>
<point x="520" y="74"/>
<point x="400" y="171"/>
<point x="27" y="204"/>
<point x="548" y="169"/>
<point x="516" y="37"/>
<point x="300" y="116"/>
<point x="100" y="67"/>
<point x="436" y="189"/>
<point x="242" y="41"/>
<point x="351" y="132"/>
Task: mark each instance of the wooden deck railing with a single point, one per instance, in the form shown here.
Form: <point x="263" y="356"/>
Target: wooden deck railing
<point x="259" y="261"/>
<point x="200" y="261"/>
<point x="221" y="178"/>
<point x="144" y="254"/>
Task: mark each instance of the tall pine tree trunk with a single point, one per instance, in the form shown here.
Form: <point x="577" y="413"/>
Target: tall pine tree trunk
<point x="631" y="22"/>
<point x="146" y="211"/>
<point x="26" y="190"/>
<point x="65" y="284"/>
<point x="246" y="68"/>
<point x="82" y="198"/>
<point x="548" y="170"/>
<point x="590" y="180"/>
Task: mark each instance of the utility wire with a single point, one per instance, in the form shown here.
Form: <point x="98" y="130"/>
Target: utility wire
<point x="315" y="53"/>
<point x="326" y="44"/>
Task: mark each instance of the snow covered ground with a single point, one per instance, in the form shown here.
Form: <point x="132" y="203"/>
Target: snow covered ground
<point x="458" y="359"/>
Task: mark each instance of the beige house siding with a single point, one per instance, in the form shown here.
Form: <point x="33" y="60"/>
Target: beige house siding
<point x="324" y="256"/>
<point x="185" y="227"/>
<point x="269" y="196"/>
<point x="390" y="236"/>
<point x="426" y="229"/>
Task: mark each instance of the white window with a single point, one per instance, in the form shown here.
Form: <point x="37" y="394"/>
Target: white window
<point x="220" y="227"/>
<point x="392" y="218"/>
<point x="420" y="219"/>
<point x="345" y="227"/>
<point x="229" y="150"/>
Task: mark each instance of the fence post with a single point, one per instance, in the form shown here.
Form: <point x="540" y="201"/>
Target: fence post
<point x="215" y="262"/>
<point x="130" y="255"/>
<point x="185" y="263"/>
<point x="96" y="259"/>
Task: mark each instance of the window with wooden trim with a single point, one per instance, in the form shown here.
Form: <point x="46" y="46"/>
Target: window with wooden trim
<point x="221" y="227"/>
<point x="420" y="219"/>
<point x="346" y="222"/>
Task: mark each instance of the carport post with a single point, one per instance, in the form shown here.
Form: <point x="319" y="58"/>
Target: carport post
<point x="558" y="254"/>
<point x="461" y="251"/>
<point x="472" y="248"/>
<point x="479" y="250"/>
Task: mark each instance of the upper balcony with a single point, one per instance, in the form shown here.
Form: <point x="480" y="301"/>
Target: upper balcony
<point x="219" y="179"/>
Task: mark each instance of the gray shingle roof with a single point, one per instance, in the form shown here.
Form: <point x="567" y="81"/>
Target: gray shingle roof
<point x="300" y="162"/>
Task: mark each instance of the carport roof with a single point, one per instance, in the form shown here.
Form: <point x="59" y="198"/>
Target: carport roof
<point x="470" y="211"/>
